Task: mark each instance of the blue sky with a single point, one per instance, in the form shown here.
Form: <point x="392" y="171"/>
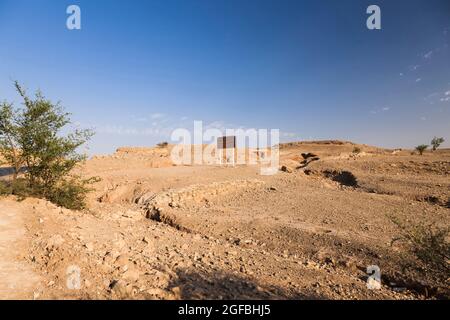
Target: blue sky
<point x="139" y="69"/>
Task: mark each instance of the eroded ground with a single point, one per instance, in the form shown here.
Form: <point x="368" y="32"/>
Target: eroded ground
<point x="158" y="231"/>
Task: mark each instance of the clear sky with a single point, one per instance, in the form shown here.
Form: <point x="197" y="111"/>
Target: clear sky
<point x="139" y="69"/>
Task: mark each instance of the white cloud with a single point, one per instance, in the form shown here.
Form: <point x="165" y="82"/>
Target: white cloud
<point x="379" y="110"/>
<point x="418" y="79"/>
<point x="131" y="131"/>
<point x="117" y="130"/>
<point x="138" y="118"/>
<point x="437" y="97"/>
<point x="431" y="95"/>
<point x="428" y="54"/>
<point x="289" y="134"/>
<point x="157" y="115"/>
<point x="217" y="125"/>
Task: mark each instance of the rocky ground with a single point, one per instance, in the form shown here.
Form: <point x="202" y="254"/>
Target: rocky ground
<point x="153" y="230"/>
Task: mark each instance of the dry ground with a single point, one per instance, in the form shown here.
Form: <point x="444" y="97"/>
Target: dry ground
<point x="158" y="231"/>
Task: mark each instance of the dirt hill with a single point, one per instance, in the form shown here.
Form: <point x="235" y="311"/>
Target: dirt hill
<point x="154" y="230"/>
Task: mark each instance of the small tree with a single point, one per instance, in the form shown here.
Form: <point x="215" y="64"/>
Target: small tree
<point x="356" y="150"/>
<point x="421" y="148"/>
<point x="32" y="136"/>
<point x="436" y="142"/>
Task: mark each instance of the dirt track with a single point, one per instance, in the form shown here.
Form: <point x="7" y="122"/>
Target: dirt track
<point x="17" y="279"/>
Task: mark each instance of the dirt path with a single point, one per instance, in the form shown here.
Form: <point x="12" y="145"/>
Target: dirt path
<point x="17" y="280"/>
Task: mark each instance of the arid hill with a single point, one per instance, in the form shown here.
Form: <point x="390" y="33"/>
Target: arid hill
<point x="154" y="230"/>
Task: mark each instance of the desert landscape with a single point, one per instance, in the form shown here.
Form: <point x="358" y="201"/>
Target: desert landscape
<point x="154" y="230"/>
<point x="220" y="158"/>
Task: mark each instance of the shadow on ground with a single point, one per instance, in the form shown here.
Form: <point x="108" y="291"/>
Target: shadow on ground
<point x="220" y="285"/>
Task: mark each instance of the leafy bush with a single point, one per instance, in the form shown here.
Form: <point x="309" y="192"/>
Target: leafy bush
<point x="32" y="137"/>
<point x="18" y="187"/>
<point x="4" y="188"/>
<point x="163" y="144"/>
<point x="436" y="142"/>
<point x="71" y="193"/>
<point x="356" y="150"/>
<point x="421" y="148"/>
<point x="429" y="244"/>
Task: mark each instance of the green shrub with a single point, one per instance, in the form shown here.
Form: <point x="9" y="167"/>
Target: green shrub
<point x="71" y="193"/>
<point x="163" y="144"/>
<point x="4" y="188"/>
<point x="356" y="150"/>
<point x="18" y="187"/>
<point x="421" y="148"/>
<point x="33" y="137"/>
<point x="436" y="142"/>
<point x="429" y="244"/>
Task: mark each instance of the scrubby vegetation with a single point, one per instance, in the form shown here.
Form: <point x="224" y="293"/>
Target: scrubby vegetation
<point x="356" y="150"/>
<point x="436" y="142"/>
<point x="421" y="148"/>
<point x="34" y="139"/>
<point x="163" y="144"/>
<point x="18" y="187"/>
<point x="429" y="244"/>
